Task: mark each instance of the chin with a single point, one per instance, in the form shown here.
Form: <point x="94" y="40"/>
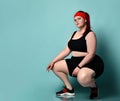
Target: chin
<point x="78" y="26"/>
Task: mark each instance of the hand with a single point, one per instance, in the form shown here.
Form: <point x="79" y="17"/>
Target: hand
<point x="75" y="72"/>
<point x="50" y="66"/>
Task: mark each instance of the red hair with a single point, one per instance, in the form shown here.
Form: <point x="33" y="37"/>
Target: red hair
<point x="86" y="17"/>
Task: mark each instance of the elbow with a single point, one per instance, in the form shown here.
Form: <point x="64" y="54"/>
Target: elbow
<point x="91" y="54"/>
<point x="66" y="51"/>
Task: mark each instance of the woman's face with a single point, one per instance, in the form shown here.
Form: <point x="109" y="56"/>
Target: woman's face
<point x="79" y="21"/>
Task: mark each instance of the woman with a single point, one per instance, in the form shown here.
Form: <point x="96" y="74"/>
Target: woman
<point x="84" y="63"/>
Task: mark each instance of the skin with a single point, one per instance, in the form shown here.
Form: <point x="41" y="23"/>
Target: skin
<point x="85" y="76"/>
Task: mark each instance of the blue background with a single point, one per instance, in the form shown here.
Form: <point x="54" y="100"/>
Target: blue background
<point x="33" y="32"/>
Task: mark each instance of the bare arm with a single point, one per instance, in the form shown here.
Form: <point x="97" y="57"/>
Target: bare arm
<point x="91" y="48"/>
<point x="65" y="52"/>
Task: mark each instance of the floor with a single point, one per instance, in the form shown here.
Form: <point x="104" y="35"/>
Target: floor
<point x="106" y="93"/>
<point x="41" y="86"/>
<point x="83" y="95"/>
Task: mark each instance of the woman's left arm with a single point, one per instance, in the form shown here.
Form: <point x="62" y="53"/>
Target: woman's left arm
<point x="91" y="48"/>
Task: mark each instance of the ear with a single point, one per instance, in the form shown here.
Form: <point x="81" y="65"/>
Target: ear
<point x="85" y="20"/>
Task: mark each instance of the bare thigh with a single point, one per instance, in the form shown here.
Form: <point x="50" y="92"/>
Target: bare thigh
<point x="86" y="72"/>
<point x="61" y="66"/>
<point x="86" y="77"/>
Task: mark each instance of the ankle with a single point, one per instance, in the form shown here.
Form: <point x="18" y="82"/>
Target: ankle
<point x="94" y="85"/>
<point x="69" y="87"/>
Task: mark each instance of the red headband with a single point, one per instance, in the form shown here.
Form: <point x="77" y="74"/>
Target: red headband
<point x="82" y="14"/>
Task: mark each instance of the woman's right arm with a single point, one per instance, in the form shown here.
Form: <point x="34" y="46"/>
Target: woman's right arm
<point x="65" y="52"/>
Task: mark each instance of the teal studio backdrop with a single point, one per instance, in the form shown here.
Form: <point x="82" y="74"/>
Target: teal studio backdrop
<point x="33" y="32"/>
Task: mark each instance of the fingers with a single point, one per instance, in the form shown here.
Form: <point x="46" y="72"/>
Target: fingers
<point x="49" y="67"/>
<point x="75" y="72"/>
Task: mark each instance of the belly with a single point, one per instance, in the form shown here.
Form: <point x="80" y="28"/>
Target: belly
<point x="78" y="54"/>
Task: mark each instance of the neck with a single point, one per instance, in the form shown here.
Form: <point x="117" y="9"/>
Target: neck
<point x="82" y="29"/>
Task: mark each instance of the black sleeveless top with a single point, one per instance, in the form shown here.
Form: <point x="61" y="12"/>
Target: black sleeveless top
<point x="78" y="44"/>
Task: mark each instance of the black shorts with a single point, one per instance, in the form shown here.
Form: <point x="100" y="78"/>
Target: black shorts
<point x="96" y="64"/>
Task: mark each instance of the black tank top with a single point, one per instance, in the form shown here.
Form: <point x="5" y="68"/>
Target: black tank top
<point x="78" y="44"/>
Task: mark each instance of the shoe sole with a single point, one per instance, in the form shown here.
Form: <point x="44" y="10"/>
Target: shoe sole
<point x="66" y="97"/>
<point x="66" y="94"/>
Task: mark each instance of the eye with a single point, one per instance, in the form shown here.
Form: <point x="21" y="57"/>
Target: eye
<point x="79" y="18"/>
<point x="75" y="20"/>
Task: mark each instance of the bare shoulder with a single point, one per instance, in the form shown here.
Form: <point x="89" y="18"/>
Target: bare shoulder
<point x="91" y="34"/>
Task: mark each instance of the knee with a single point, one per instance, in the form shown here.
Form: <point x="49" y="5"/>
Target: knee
<point x="83" y="79"/>
<point x="55" y="67"/>
<point x="60" y="66"/>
